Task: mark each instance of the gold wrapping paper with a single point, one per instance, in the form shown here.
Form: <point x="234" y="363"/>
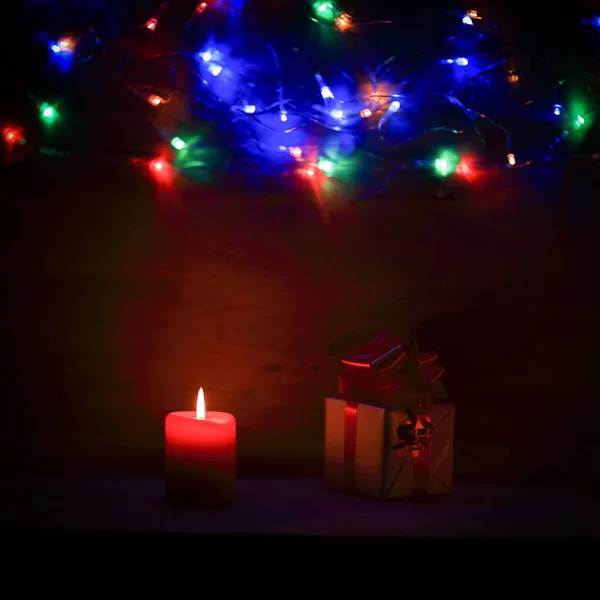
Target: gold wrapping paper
<point x="373" y="451"/>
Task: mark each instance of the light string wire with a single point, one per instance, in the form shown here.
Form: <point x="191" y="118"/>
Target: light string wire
<point x="283" y="104"/>
<point x="322" y="117"/>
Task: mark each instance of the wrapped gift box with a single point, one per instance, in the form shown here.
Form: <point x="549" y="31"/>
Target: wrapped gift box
<point x="388" y="452"/>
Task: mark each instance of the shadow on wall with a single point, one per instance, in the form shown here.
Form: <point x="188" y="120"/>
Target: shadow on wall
<point x="519" y="366"/>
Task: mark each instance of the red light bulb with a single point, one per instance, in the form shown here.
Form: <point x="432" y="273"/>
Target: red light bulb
<point x="12" y="135"/>
<point x="161" y="171"/>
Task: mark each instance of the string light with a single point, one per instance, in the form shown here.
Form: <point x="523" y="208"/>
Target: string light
<point x="13" y="135"/>
<point x="339" y="111"/>
<point x="178" y="143"/>
<point x="64" y="46"/>
<point x="48" y="113"/>
<point x="200" y="8"/>
<point x="463" y="169"/>
<point x="161" y="171"/>
<point x="325" y="166"/>
<point x="461" y="61"/>
<point x="446" y="163"/>
<point x="315" y="135"/>
<point x="343" y="22"/>
<point x="326" y="11"/>
<point x="152" y="23"/>
<point x="156" y="100"/>
<point x="158" y="165"/>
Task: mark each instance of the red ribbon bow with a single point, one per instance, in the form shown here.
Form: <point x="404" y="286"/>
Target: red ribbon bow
<point x="381" y="354"/>
<point x="384" y="366"/>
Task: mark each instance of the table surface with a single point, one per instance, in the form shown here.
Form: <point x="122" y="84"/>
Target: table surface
<point x="298" y="506"/>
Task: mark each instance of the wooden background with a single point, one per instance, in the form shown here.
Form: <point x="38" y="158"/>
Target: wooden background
<point x="121" y="299"/>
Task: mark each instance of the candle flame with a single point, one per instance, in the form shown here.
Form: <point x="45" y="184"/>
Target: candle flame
<point x="200" y="407"/>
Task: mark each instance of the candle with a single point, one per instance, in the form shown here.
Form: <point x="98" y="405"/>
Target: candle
<point x="200" y="450"/>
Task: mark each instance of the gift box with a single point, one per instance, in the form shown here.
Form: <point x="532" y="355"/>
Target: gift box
<point x="391" y="371"/>
<point x="388" y="452"/>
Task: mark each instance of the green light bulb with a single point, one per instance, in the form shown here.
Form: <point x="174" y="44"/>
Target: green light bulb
<point x="579" y="121"/>
<point x="48" y="113"/>
<point x="446" y="163"/>
<point x="178" y="143"/>
<point x="441" y="166"/>
<point x="325" y="10"/>
<point x="326" y="166"/>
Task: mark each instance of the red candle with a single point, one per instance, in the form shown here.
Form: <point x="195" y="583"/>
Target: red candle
<point x="200" y="457"/>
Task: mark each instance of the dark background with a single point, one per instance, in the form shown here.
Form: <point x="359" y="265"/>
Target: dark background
<point x="112" y="16"/>
<point x="121" y="298"/>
